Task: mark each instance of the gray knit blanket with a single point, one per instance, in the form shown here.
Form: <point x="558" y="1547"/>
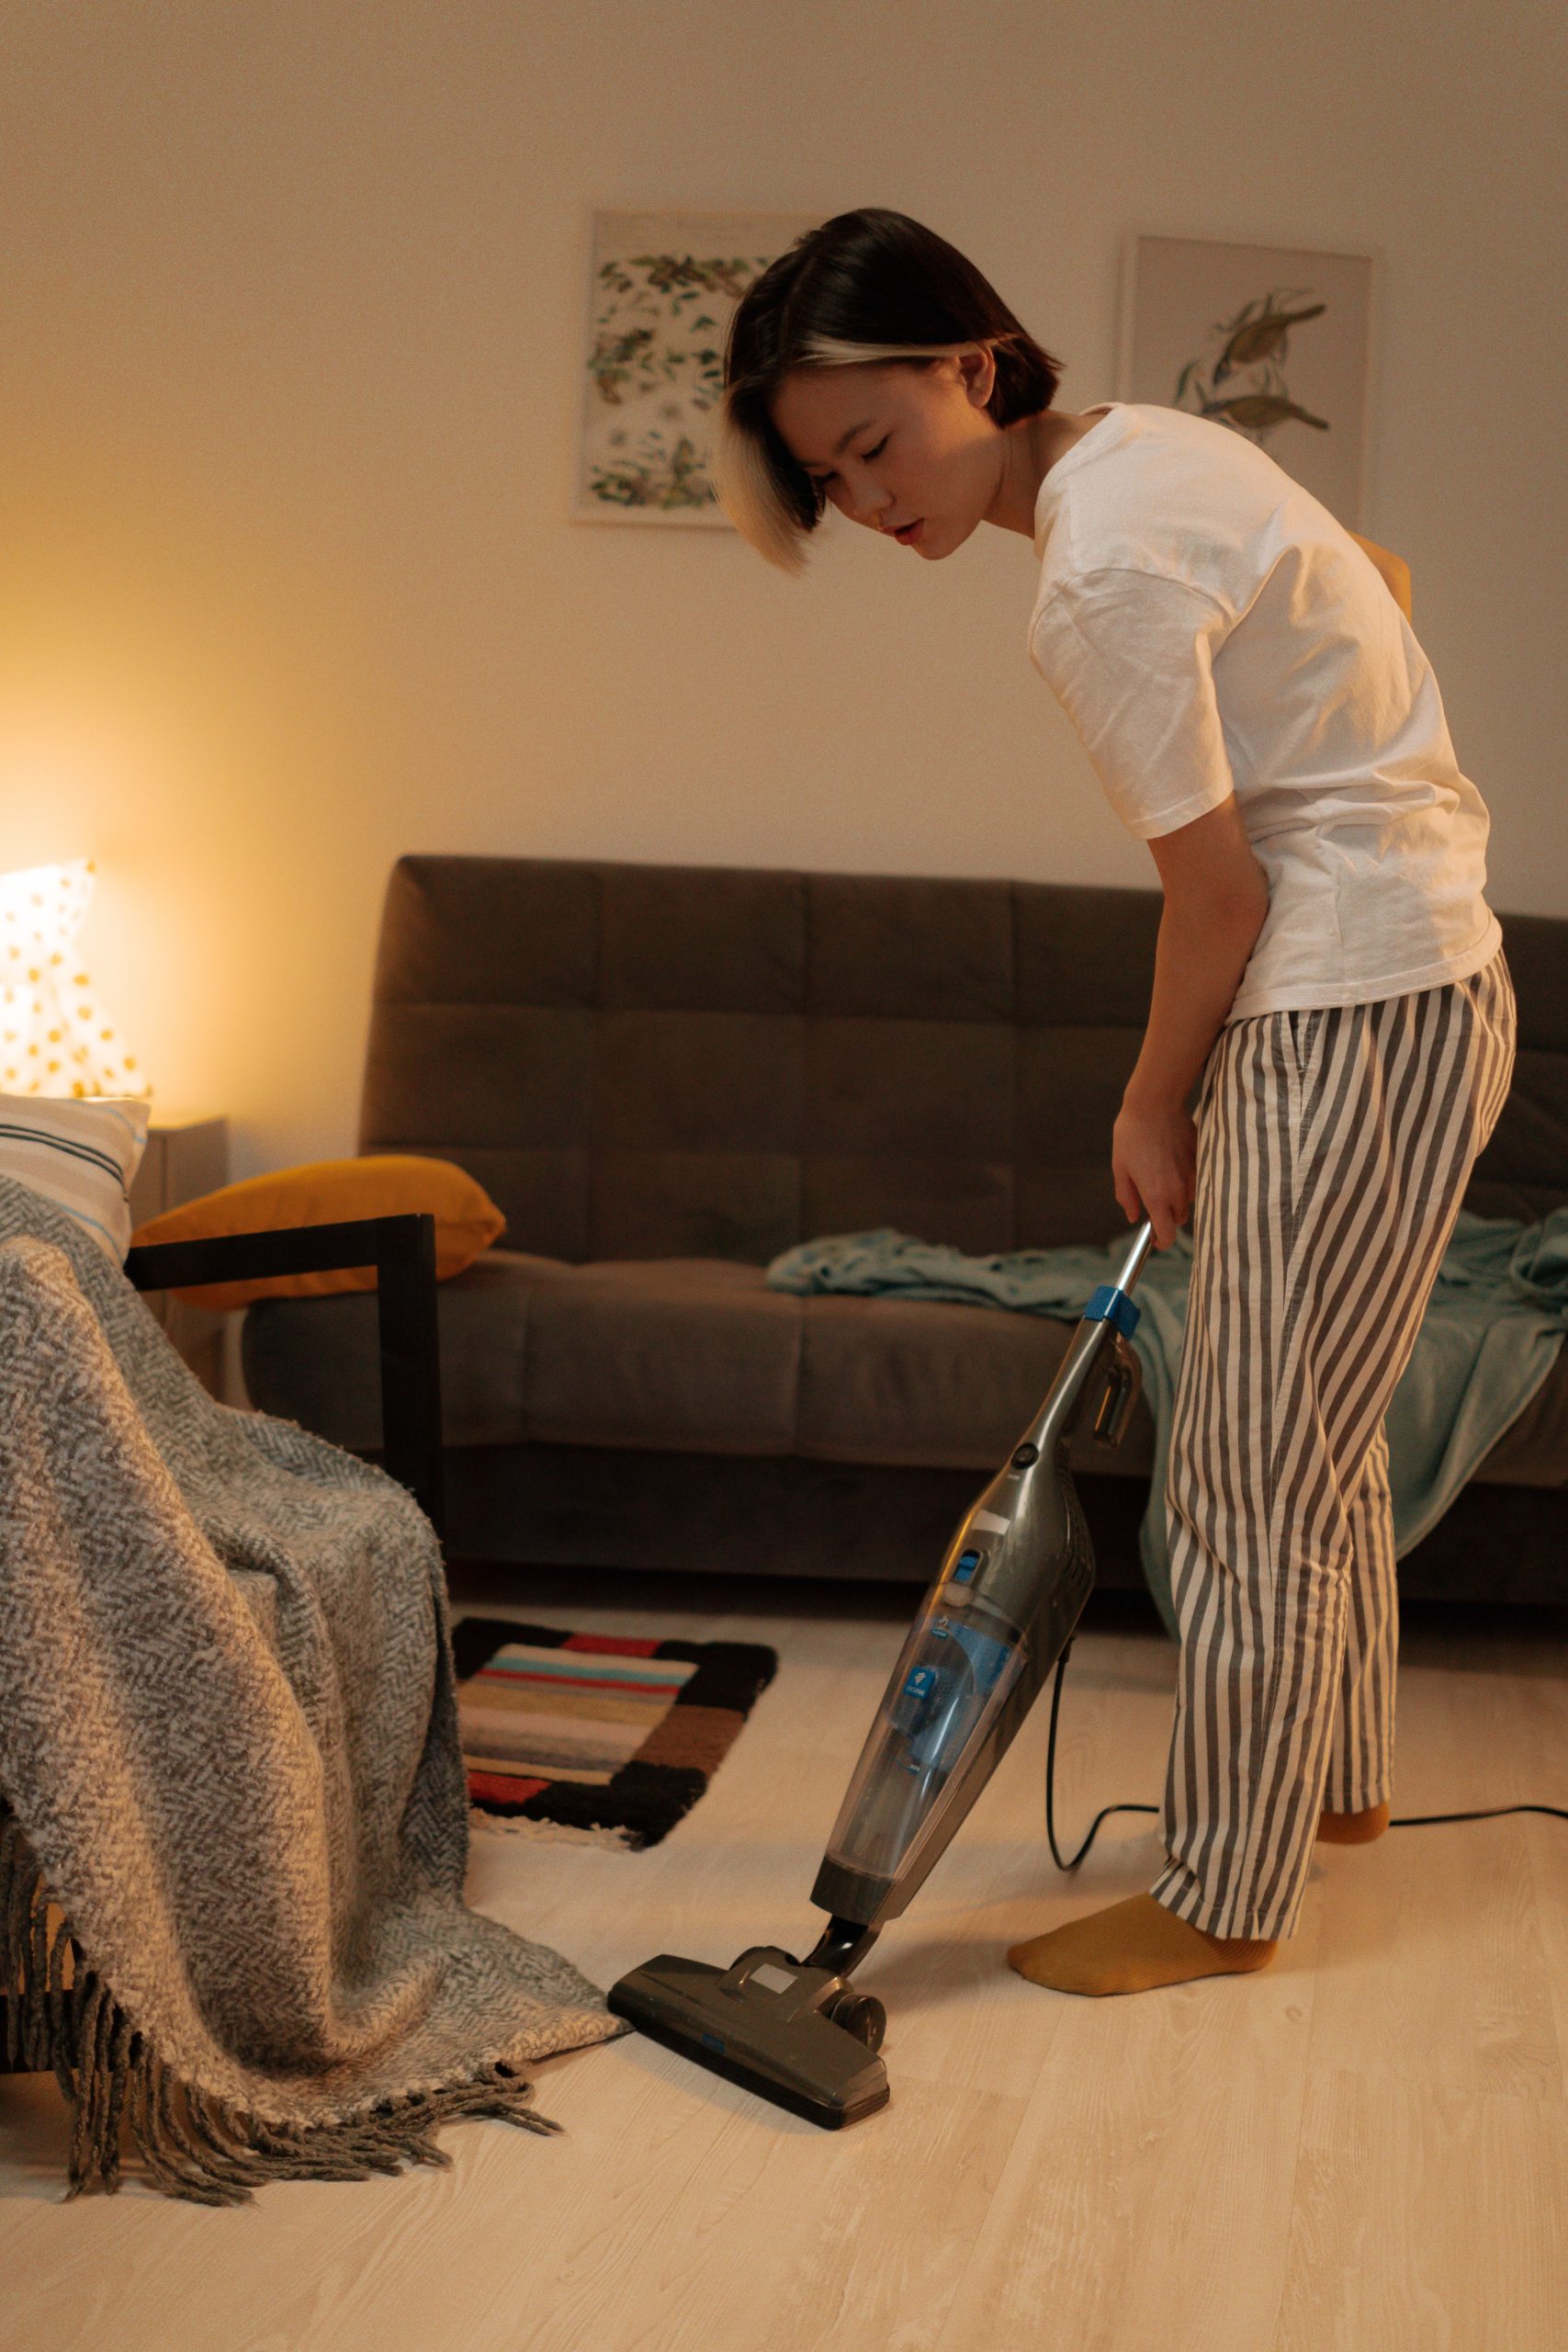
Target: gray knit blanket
<point x="233" y="1816"/>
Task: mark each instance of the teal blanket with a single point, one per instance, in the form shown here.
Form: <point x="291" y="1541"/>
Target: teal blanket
<point x="1490" y="1336"/>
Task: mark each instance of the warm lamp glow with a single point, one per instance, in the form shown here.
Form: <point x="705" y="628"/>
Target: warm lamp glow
<point x="54" y="1038"/>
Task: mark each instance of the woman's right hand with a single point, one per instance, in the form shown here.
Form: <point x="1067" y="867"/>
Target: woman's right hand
<point x="1154" y="1160"/>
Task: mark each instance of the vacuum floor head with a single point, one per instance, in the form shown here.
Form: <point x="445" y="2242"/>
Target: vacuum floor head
<point x="799" y="2036"/>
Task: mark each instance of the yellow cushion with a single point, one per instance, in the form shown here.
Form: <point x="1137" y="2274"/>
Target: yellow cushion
<point x="325" y="1193"/>
<point x="1394" y="569"/>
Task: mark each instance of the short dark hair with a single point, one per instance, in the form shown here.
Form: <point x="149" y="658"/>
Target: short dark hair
<point x="867" y="287"/>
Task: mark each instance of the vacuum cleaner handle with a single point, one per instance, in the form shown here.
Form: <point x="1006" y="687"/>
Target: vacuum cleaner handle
<point x="1143" y="1241"/>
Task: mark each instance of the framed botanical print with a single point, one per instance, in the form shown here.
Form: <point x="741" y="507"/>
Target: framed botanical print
<point x="1272" y="341"/>
<point x="661" y="290"/>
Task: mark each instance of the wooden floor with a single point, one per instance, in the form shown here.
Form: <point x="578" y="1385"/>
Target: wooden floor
<point x="1364" y="2147"/>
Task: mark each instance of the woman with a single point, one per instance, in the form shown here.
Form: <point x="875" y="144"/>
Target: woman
<point x="1258" y="711"/>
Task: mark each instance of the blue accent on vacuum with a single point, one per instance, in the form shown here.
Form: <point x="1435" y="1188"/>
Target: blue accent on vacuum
<point x="1109" y="1305"/>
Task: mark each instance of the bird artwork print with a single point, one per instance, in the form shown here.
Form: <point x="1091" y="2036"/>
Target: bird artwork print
<point x="1244" y="384"/>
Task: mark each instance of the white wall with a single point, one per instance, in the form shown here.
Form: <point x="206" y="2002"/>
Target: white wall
<point x="292" y="300"/>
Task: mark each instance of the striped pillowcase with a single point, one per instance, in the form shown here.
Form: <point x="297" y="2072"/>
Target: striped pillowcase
<point x="80" y="1154"/>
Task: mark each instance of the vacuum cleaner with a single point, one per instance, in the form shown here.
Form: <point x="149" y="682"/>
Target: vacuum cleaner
<point x="1000" y="1613"/>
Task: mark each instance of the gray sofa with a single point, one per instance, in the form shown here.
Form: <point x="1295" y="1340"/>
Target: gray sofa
<point x="663" y="1076"/>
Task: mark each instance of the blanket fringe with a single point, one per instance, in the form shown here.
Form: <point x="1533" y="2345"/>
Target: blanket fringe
<point x="191" y="2145"/>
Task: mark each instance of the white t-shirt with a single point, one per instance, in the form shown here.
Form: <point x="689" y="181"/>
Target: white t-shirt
<point x="1209" y="628"/>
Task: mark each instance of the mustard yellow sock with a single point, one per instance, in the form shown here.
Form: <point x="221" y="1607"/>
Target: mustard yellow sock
<point x="1353" y="1828"/>
<point x="1133" y="1946"/>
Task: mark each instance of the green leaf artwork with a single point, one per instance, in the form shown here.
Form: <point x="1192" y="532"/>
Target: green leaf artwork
<point x="1240" y="379"/>
<point x="655" y="370"/>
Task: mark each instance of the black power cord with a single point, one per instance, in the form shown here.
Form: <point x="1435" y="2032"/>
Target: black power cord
<point x="1400" y="1821"/>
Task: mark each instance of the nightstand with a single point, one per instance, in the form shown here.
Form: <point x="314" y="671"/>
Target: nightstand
<point x="185" y="1158"/>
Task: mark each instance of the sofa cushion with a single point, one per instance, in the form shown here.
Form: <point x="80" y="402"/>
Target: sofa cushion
<point x="698" y="1356"/>
<point x="683" y="1355"/>
<point x="934" y="1383"/>
<point x="692" y="1355"/>
<point x="695" y="1355"/>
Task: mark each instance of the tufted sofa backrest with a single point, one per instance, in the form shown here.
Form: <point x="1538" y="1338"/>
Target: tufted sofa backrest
<point x="647" y="1061"/>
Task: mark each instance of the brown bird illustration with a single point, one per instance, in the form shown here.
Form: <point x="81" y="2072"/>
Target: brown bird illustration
<point x="1261" y="412"/>
<point x="1261" y="338"/>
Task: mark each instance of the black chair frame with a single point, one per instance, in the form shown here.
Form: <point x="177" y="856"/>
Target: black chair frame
<point x="403" y="1251"/>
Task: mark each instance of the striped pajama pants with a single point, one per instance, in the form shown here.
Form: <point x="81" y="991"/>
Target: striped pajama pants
<point x="1333" y="1150"/>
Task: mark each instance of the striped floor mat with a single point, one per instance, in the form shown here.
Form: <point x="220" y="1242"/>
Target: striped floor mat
<point x="595" y="1736"/>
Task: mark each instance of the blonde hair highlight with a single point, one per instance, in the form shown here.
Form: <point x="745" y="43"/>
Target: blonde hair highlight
<point x="744" y="479"/>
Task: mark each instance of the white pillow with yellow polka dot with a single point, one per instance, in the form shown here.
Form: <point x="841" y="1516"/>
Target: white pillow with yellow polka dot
<point x="81" y="1155"/>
